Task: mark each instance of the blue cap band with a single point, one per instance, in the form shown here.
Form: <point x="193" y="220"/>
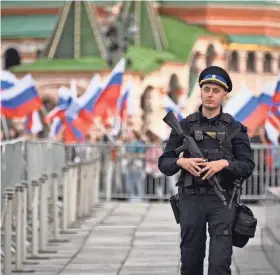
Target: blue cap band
<point x="214" y="78"/>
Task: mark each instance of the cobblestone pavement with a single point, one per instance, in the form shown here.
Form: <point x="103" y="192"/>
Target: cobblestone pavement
<point x="122" y="238"/>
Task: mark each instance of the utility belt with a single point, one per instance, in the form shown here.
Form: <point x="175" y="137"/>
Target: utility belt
<point x="195" y="190"/>
<point x="202" y="191"/>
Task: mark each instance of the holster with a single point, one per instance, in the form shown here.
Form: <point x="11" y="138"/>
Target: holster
<point x="174" y="201"/>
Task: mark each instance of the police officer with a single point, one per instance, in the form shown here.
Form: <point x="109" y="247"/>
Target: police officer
<point x="227" y="153"/>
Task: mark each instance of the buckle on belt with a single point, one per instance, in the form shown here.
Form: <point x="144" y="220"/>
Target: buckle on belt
<point x="199" y="191"/>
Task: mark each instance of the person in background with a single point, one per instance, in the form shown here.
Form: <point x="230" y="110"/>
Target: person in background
<point x="262" y="158"/>
<point x="119" y="172"/>
<point x="275" y="152"/>
<point x="2" y="135"/>
<point x="107" y="157"/>
<point x="155" y="180"/>
<point x="12" y="133"/>
<point x="134" y="154"/>
<point x="267" y="152"/>
<point x="254" y="136"/>
<point x="276" y="156"/>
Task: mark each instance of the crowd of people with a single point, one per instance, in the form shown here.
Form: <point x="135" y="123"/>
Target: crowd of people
<point x="130" y="159"/>
<point x="129" y="164"/>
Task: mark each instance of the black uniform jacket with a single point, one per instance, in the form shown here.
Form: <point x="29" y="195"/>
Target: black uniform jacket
<point x="241" y="166"/>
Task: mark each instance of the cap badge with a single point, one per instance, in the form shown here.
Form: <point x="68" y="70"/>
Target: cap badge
<point x="214" y="76"/>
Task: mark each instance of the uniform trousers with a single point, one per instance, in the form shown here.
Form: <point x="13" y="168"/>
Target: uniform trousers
<point x="196" y="210"/>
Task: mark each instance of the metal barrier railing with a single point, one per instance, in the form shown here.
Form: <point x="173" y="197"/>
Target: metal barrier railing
<point x="266" y="172"/>
<point x="22" y="161"/>
<point x="130" y="172"/>
<point x="12" y="159"/>
<point x="28" y="160"/>
<point x="36" y="213"/>
<point x="270" y="233"/>
<point x="135" y="176"/>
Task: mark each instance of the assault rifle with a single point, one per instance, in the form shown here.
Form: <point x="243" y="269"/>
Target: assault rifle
<point x="190" y="145"/>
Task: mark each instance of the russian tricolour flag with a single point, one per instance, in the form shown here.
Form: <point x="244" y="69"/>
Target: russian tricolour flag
<point x="33" y="123"/>
<point x="65" y="97"/>
<point x="276" y="97"/>
<point x="108" y="98"/>
<point x="124" y="110"/>
<point x="125" y="107"/>
<point x="90" y="96"/>
<point x="250" y="110"/>
<point x="170" y="105"/>
<point x="272" y="124"/>
<point x="55" y="127"/>
<point x="78" y="121"/>
<point x="20" y="99"/>
<point x="7" y="79"/>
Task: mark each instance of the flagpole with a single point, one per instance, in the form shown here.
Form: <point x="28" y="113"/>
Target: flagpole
<point x="44" y="122"/>
<point x="5" y="127"/>
<point x="104" y="131"/>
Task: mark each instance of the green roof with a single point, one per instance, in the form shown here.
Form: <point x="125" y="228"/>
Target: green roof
<point x="77" y="33"/>
<point x="28" y="4"/>
<point x="85" y="64"/>
<point x="181" y="38"/>
<point x="20" y="26"/>
<point x="255" y="39"/>
<point x="45" y="4"/>
<point x="151" y="62"/>
<point x="37" y="26"/>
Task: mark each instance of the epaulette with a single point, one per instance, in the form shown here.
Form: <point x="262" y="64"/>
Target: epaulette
<point x="243" y="127"/>
<point x="193" y="118"/>
<point x="227" y="118"/>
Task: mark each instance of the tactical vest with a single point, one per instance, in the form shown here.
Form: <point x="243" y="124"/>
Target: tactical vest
<point x="214" y="141"/>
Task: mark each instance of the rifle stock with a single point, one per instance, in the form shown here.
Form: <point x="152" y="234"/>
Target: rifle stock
<point x="171" y="120"/>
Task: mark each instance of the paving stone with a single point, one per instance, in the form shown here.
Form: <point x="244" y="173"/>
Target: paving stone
<point x="61" y="254"/>
<point x="125" y="243"/>
<point x="92" y="267"/>
<point x="151" y="263"/>
<point x="233" y="268"/>
<point x="251" y="260"/>
<point x="109" y="240"/>
<point x="259" y="272"/>
<point x="45" y="268"/>
<point x="149" y="270"/>
<point x="97" y="272"/>
<point x="37" y="273"/>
